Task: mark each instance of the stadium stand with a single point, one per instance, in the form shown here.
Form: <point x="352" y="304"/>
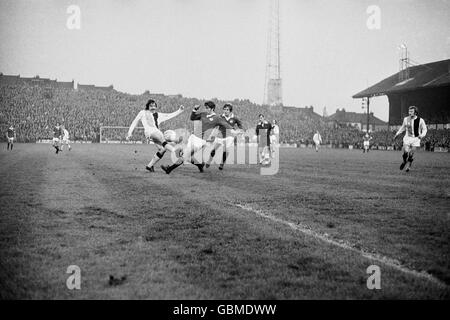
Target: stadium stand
<point x="33" y="107"/>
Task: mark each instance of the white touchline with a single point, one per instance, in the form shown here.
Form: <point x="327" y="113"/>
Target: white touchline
<point x="345" y="245"/>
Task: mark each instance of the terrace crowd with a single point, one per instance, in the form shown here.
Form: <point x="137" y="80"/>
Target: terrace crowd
<point x="34" y="110"/>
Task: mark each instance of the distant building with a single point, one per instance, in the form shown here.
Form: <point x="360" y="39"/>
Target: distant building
<point x="357" y="120"/>
<point x="427" y="87"/>
<point x="34" y="81"/>
<point x="94" y="87"/>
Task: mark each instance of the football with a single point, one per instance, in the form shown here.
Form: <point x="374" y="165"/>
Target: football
<point x="170" y="136"/>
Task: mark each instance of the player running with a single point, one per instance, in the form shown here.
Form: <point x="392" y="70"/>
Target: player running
<point x="366" y="142"/>
<point x="196" y="142"/>
<point x="10" y="137"/>
<point x="151" y="119"/>
<point x="263" y="130"/>
<point x="57" y="134"/>
<point x="65" y="139"/>
<point x="415" y="129"/>
<point x="225" y="142"/>
<point x="317" y="138"/>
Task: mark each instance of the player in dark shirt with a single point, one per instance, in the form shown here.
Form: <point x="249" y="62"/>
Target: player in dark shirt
<point x="10" y="136"/>
<point x="263" y="131"/>
<point x="197" y="141"/>
<point x="225" y="142"/>
<point x="57" y="135"/>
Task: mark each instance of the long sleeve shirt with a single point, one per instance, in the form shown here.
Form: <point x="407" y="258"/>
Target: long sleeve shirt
<point x="414" y="127"/>
<point x="151" y="120"/>
<point x="209" y="122"/>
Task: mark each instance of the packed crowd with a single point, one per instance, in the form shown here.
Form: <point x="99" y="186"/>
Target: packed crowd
<point x="34" y="110"/>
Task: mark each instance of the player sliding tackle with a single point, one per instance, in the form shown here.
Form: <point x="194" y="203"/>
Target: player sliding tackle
<point x="415" y="129"/>
<point x="151" y="119"/>
<point x="196" y="142"/>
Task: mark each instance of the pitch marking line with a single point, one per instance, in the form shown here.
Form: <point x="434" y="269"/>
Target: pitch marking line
<point x="345" y="245"/>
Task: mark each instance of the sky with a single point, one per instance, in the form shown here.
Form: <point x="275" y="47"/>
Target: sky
<point x="217" y="48"/>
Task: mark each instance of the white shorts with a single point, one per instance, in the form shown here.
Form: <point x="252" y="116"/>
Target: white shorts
<point x="66" y="141"/>
<point x="366" y="143"/>
<point x="411" y="141"/>
<point x="195" y="143"/>
<point x="11" y="140"/>
<point x="56" y="140"/>
<point x="155" y="135"/>
<point x="317" y="142"/>
<point x="227" y="142"/>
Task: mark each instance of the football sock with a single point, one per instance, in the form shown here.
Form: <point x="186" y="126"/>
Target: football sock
<point x="7" y="147"/>
<point x="12" y="146"/>
<point x="178" y="163"/>
<point x="224" y="157"/>
<point x="156" y="158"/>
<point x="405" y="156"/>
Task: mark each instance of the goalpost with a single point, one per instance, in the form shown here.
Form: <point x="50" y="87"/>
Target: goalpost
<point x="116" y="134"/>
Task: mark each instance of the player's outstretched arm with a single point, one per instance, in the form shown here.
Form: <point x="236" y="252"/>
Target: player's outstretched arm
<point x="133" y="125"/>
<point x="167" y="116"/>
<point x="195" y="115"/>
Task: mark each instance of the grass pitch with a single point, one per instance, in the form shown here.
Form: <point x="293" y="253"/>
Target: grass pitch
<point x="222" y="234"/>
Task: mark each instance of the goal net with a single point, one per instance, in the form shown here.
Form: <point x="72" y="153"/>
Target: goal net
<point x="110" y="134"/>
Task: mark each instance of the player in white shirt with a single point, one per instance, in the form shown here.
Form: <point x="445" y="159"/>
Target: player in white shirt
<point x="65" y="139"/>
<point x="274" y="137"/>
<point x="415" y="129"/>
<point x="317" y="140"/>
<point x="151" y="119"/>
<point x="11" y="136"/>
<point x="366" y="142"/>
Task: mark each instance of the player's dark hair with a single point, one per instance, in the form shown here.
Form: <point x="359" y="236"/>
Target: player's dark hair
<point x="229" y="106"/>
<point x="416" y="110"/>
<point x="260" y="115"/>
<point x="210" y="104"/>
<point x="149" y="102"/>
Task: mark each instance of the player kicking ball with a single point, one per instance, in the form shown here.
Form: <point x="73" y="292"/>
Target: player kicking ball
<point x="415" y="129"/>
<point x="151" y="119"/>
<point x="10" y="137"/>
<point x="209" y="120"/>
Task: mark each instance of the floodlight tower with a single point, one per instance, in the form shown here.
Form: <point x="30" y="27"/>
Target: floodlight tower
<point x="403" y="62"/>
<point x="272" y="86"/>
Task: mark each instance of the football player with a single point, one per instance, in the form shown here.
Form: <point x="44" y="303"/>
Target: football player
<point x="415" y="129"/>
<point x="366" y="142"/>
<point x="196" y="141"/>
<point x="151" y="119"/>
<point x="263" y="131"/>
<point x="57" y="133"/>
<point x="225" y="142"/>
<point x="10" y="137"/>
